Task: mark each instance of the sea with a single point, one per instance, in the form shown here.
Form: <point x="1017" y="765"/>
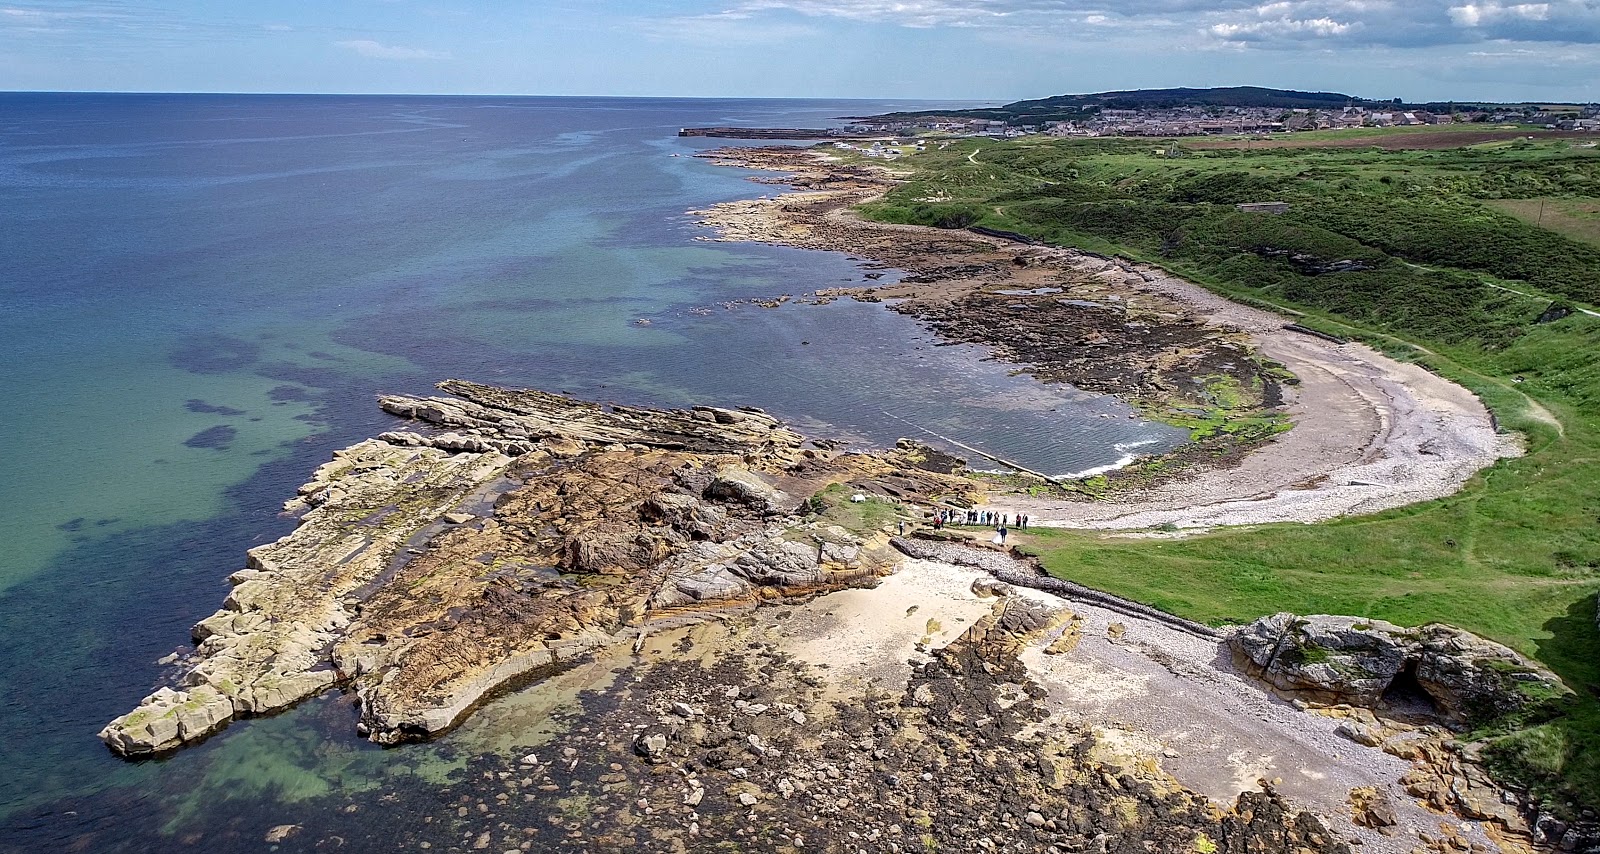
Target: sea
<point x="200" y="298"/>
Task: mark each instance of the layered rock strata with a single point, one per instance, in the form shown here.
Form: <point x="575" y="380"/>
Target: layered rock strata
<point x="1462" y="678"/>
<point x="508" y="534"/>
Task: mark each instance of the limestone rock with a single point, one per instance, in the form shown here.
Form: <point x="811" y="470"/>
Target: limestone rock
<point x="1358" y="733"/>
<point x="1370" y="807"/>
<point x="988" y="587"/>
<point x="1465" y="678"/>
<point x="1472" y="679"/>
<point x="734" y="483"/>
<point x="167" y="719"/>
<point x="652" y="746"/>
<point x="588" y="521"/>
<point x="1338" y="659"/>
<point x="781" y="563"/>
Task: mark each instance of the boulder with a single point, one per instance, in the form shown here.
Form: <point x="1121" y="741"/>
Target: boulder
<point x="1371" y="807"/>
<point x="1330" y="659"/>
<point x="740" y="485"/>
<point x="712" y="583"/>
<point x="652" y="746"/>
<point x="167" y="719"/>
<point x="780" y="563"/>
<point x="1335" y="659"/>
<point x="1471" y="679"/>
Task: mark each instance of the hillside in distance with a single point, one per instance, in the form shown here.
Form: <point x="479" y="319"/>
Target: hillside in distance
<point x="1070" y="107"/>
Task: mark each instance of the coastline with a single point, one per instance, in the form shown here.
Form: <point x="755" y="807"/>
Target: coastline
<point x="1369" y="433"/>
<point x="797" y="675"/>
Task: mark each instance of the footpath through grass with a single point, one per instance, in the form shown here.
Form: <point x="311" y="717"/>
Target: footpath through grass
<point x="1402" y="249"/>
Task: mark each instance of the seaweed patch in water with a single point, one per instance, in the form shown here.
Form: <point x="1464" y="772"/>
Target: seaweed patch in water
<point x="219" y="437"/>
<point x="216" y="354"/>
<point x="198" y="405"/>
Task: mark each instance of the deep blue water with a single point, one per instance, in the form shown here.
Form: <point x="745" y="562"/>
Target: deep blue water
<point x="200" y="296"/>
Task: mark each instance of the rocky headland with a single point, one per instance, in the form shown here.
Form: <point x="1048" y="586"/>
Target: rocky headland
<point x="520" y="530"/>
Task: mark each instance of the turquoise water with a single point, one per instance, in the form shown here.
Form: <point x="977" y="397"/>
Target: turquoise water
<point x="203" y="294"/>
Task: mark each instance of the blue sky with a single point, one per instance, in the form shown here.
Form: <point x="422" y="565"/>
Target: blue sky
<point x="951" y="49"/>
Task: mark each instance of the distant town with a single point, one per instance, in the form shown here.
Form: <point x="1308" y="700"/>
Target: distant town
<point x="1208" y="121"/>
<point x="1118" y="117"/>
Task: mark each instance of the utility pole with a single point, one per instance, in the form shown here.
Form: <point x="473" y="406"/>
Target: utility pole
<point x="1540" y="223"/>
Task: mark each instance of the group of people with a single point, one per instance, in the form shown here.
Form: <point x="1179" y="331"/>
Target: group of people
<point x="1000" y="521"/>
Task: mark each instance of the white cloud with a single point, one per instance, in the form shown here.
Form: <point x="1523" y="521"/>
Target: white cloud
<point x="1397" y="23"/>
<point x="724" y="28"/>
<point x="378" y="50"/>
<point x="1281" y="28"/>
<point x="1476" y="14"/>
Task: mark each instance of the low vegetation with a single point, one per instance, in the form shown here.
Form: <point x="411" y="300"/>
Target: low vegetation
<point x="1433" y="257"/>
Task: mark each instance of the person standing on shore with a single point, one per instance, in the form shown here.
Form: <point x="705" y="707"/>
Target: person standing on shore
<point x="1002" y="532"/>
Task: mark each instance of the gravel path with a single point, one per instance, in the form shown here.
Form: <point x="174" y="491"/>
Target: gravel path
<point x="1154" y="693"/>
<point x="1167" y="693"/>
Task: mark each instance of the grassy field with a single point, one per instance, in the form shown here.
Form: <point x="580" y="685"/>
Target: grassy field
<point x="1396" y="138"/>
<point x="1403" y="249"/>
<point x="1578" y="219"/>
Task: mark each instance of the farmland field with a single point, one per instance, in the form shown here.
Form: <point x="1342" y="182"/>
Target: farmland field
<point x="1578" y="219"/>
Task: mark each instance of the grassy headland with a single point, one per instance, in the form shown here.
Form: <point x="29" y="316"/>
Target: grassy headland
<point x="1427" y="254"/>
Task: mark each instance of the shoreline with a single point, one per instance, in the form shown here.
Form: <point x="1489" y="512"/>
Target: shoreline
<point x="798" y="676"/>
<point x="1369" y="433"/>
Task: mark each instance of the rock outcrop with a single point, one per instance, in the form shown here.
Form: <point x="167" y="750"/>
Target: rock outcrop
<point x="510" y="534"/>
<point x="1464" y="678"/>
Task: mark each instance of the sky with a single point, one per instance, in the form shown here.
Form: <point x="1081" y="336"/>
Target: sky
<point x="997" y="50"/>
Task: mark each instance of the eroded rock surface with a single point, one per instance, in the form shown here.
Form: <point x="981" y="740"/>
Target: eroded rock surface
<point x="740" y="746"/>
<point x="1462" y="678"/>
<point x="513" y="532"/>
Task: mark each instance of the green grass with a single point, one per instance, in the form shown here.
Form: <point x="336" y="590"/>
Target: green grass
<point x="834" y="507"/>
<point x="1576" y="218"/>
<point x="1514" y="556"/>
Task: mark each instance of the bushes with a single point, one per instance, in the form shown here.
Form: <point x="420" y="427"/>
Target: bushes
<point x="1467" y="235"/>
<point x="1181" y="211"/>
<point x="921" y="213"/>
<point x="1232" y="188"/>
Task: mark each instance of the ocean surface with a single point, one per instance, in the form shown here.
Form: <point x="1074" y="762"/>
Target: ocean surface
<point x="200" y="297"/>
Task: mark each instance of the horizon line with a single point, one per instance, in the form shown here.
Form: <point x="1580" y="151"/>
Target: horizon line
<point x="878" y="98"/>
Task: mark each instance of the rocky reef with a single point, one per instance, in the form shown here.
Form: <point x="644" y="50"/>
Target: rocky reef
<point x="509" y="532"/>
<point x="1461" y="678"/>
<point x="741" y="746"/>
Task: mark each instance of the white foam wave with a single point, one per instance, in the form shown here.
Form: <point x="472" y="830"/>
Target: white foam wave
<point x="1127" y="459"/>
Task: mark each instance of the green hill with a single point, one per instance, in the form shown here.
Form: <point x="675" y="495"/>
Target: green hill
<point x="1077" y="107"/>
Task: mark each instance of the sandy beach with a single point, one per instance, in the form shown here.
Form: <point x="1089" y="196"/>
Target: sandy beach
<point x="1369" y="433"/>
